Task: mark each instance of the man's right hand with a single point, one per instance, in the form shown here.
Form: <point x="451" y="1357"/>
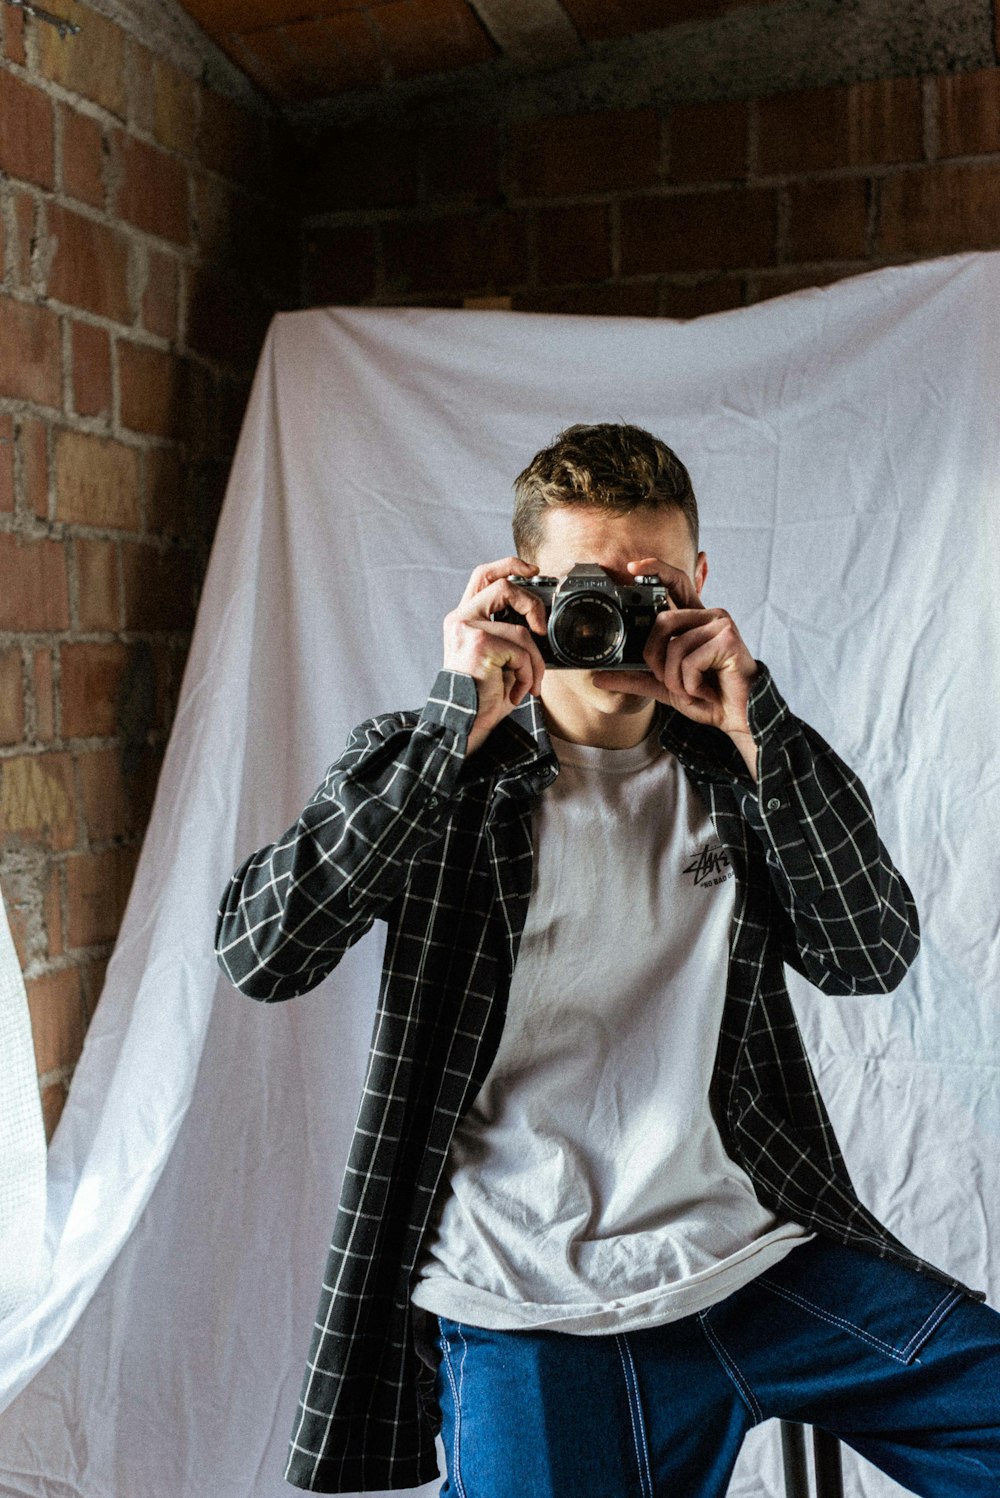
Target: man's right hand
<point x="502" y="658"/>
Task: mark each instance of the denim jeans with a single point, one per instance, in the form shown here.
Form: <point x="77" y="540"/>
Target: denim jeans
<point x="899" y="1366"/>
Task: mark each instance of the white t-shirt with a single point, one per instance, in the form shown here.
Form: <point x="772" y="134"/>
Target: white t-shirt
<point x="588" y="1187"/>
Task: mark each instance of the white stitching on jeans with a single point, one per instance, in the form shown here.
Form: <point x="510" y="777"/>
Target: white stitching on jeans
<point x="939" y="1312"/>
<point x="644" y="1491"/>
<point x="742" y="1387"/>
<point x="641" y="1421"/>
<point x="455" y="1448"/>
<point x="799" y="1300"/>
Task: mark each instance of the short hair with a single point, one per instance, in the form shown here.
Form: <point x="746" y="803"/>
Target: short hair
<point x="609" y="466"/>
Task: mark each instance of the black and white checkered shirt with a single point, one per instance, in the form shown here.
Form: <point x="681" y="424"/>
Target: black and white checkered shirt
<point x="405" y="830"/>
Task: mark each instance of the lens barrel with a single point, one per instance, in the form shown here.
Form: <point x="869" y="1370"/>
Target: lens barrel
<point x="586" y="629"/>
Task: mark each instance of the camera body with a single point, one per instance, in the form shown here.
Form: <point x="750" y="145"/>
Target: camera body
<point x="593" y="623"/>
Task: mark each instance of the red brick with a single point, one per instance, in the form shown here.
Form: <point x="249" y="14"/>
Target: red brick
<point x="294" y="64"/>
<point x="159" y="587"/>
<point x="969" y="112"/>
<point x="340" y="266"/>
<point x="558" y="155"/>
<point x="82" y="157"/>
<point x="91" y="370"/>
<point x="174" y="103"/>
<point x="828" y="219"/>
<point x="940" y="211"/>
<point x="56" y="1009"/>
<point x="862" y="125"/>
<point x="37" y="802"/>
<point x="435" y="36"/>
<point x="13" y="30"/>
<point x="33" y="590"/>
<point x="574" y="244"/>
<point x="91" y="63"/>
<point x="373" y="166"/>
<point x="97" y="584"/>
<point x="465" y="252"/>
<point x="638" y="299"/>
<point x="89" y="264"/>
<point x="26" y="132"/>
<point x="97" y="481"/>
<point x="708" y="142"/>
<point x="97" y="886"/>
<point x="25" y="209"/>
<point x="462" y="162"/>
<point x="11" y="697"/>
<point x="91" y="680"/>
<point x="35" y="463"/>
<point x="44" y="701"/>
<point x="53" y="912"/>
<point x="720" y="294"/>
<point x="92" y="976"/>
<point x="117" y="804"/>
<point x="30" y="364"/>
<point x="782" y="283"/>
<point x="167" y="508"/>
<point x="6" y="461"/>
<point x="159" y="300"/>
<point x="19" y="923"/>
<point x="154" y="190"/>
<point x="150" y="395"/>
<point x="698" y="231"/>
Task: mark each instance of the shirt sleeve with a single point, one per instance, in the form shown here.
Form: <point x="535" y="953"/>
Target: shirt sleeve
<point x="852" y="921"/>
<point x="291" y="910"/>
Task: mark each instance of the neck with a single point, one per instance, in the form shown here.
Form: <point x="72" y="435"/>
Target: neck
<point x="581" y="723"/>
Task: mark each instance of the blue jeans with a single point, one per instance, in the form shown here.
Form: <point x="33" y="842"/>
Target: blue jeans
<point x="899" y="1366"/>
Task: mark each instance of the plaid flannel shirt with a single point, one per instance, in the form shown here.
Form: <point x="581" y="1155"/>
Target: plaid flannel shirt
<point x="405" y="830"/>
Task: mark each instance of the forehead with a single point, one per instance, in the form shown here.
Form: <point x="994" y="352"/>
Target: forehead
<point x="582" y="534"/>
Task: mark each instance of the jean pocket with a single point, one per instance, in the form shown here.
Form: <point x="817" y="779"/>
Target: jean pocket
<point x="887" y="1305"/>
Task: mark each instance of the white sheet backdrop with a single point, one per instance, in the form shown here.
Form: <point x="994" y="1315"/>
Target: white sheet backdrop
<point x="844" y="444"/>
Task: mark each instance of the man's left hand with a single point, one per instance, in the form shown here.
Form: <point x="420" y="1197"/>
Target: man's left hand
<point x="698" y="661"/>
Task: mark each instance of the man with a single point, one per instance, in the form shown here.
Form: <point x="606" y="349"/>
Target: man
<point x="595" y="1218"/>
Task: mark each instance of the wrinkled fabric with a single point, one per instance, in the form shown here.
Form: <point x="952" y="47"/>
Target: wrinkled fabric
<point x="843" y="444"/>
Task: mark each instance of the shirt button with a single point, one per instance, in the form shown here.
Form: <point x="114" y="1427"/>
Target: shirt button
<point x="774" y="803"/>
<point x="432" y="801"/>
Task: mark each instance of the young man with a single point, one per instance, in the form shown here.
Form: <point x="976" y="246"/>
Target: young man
<point x="595" y="1217"/>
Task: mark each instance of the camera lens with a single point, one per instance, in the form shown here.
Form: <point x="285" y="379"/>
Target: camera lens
<point x="587" y="630"/>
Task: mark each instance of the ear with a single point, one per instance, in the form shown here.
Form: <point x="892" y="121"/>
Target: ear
<point x="700" y="572"/>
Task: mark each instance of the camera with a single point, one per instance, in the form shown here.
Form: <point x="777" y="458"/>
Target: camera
<point x="593" y="623"/>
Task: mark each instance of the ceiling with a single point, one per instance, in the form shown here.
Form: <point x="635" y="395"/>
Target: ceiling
<point x="299" y="51"/>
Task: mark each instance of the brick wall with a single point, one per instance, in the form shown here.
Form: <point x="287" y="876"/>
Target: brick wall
<point x="655" y="212"/>
<point x="142" y="255"/>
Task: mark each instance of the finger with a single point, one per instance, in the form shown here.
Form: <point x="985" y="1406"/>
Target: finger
<point x="519" y="636"/>
<point x="701" y="644"/>
<point x="489" y="572"/>
<point x="637" y="683"/>
<point x="694" y="667"/>
<point x="681" y="589"/>
<point x="504" y="594"/>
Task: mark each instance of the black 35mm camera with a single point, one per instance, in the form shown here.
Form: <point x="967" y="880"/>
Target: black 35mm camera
<point x="593" y="623"/>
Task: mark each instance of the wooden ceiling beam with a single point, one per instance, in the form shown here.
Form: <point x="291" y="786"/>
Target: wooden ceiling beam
<point x="530" y="30"/>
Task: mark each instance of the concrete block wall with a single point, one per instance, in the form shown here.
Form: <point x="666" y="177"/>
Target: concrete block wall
<point x="143" y="247"/>
<point x="675" y="210"/>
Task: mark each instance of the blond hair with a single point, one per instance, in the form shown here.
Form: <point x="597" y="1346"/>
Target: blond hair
<point x="609" y="466"/>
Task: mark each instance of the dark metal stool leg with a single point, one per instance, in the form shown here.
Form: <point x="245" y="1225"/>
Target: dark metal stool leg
<point x="829" y="1475"/>
<point x="793" y="1457"/>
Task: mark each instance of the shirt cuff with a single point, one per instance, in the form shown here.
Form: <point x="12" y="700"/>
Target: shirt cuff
<point x="453" y="702"/>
